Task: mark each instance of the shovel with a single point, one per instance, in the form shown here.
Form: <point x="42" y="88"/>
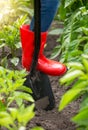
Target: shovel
<point x="36" y="80"/>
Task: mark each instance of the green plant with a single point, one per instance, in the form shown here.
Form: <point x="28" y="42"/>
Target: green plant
<point x="16" y="118"/>
<point x="14" y="113"/>
<point x="74" y="38"/>
<point x="13" y="9"/>
<point x="21" y="7"/>
<point x="77" y="77"/>
<point x="10" y="82"/>
<point x="10" y="39"/>
<point x="9" y="36"/>
<point x="17" y="13"/>
<point x="12" y="91"/>
<point x="73" y="50"/>
<point x="37" y="128"/>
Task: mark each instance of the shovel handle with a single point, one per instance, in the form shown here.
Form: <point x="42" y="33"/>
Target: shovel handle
<point x="37" y="35"/>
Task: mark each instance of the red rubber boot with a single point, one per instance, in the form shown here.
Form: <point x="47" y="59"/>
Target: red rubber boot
<point x="45" y="65"/>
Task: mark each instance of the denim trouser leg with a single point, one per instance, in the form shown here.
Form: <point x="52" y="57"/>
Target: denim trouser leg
<point x="48" y="11"/>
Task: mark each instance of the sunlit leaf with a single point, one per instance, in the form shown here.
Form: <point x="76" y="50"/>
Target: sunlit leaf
<point x="26" y="114"/>
<point x="69" y="2"/>
<point x="37" y="128"/>
<point x="71" y="76"/>
<point x="71" y="94"/>
<point x="15" y="61"/>
<point x="56" y="32"/>
<point x="81" y="118"/>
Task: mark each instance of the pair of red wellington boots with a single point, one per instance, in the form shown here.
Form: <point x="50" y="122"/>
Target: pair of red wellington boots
<point x="49" y="67"/>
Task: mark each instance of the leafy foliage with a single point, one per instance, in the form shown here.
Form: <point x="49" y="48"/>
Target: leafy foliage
<point x="77" y="77"/>
<point x="17" y="13"/>
<point x="10" y="39"/>
<point x="73" y="50"/>
<point x="74" y="39"/>
<point x="14" y="10"/>
<point x="14" y="113"/>
<point x="12" y="91"/>
<point x="9" y="36"/>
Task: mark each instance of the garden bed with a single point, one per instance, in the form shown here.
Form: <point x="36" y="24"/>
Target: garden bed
<point x="54" y="120"/>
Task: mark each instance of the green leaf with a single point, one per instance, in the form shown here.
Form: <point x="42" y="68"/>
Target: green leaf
<point x="71" y="76"/>
<point x="75" y="65"/>
<point x="56" y="32"/>
<point x="69" y="3"/>
<point x="85" y="63"/>
<point x="85" y="30"/>
<point x="84" y="103"/>
<point x="2" y="45"/>
<point x="26" y="114"/>
<point x="56" y="52"/>
<point x="5" y="119"/>
<point x="15" y="61"/>
<point x="81" y="118"/>
<point x="18" y="45"/>
<point x="22" y="128"/>
<point x="23" y="95"/>
<point x="71" y="94"/>
<point x="85" y="56"/>
<point x="37" y="128"/>
<point x="2" y="106"/>
<point x="25" y="89"/>
<point x="13" y="112"/>
<point x="85" y="50"/>
<point x="4" y="62"/>
<point x="19" y="101"/>
<point x="62" y="10"/>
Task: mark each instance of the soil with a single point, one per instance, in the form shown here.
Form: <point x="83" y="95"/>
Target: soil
<point x="53" y="119"/>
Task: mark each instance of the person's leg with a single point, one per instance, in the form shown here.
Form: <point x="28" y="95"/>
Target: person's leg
<point x="45" y="65"/>
<point x="48" y="11"/>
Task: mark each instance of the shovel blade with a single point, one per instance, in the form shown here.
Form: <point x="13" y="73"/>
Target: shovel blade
<point x="42" y="91"/>
<point x="42" y="103"/>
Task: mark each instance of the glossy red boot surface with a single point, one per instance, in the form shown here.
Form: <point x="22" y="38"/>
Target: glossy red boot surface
<point x="45" y="65"/>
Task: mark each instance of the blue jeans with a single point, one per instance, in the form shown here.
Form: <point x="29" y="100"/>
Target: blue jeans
<point x="48" y="11"/>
